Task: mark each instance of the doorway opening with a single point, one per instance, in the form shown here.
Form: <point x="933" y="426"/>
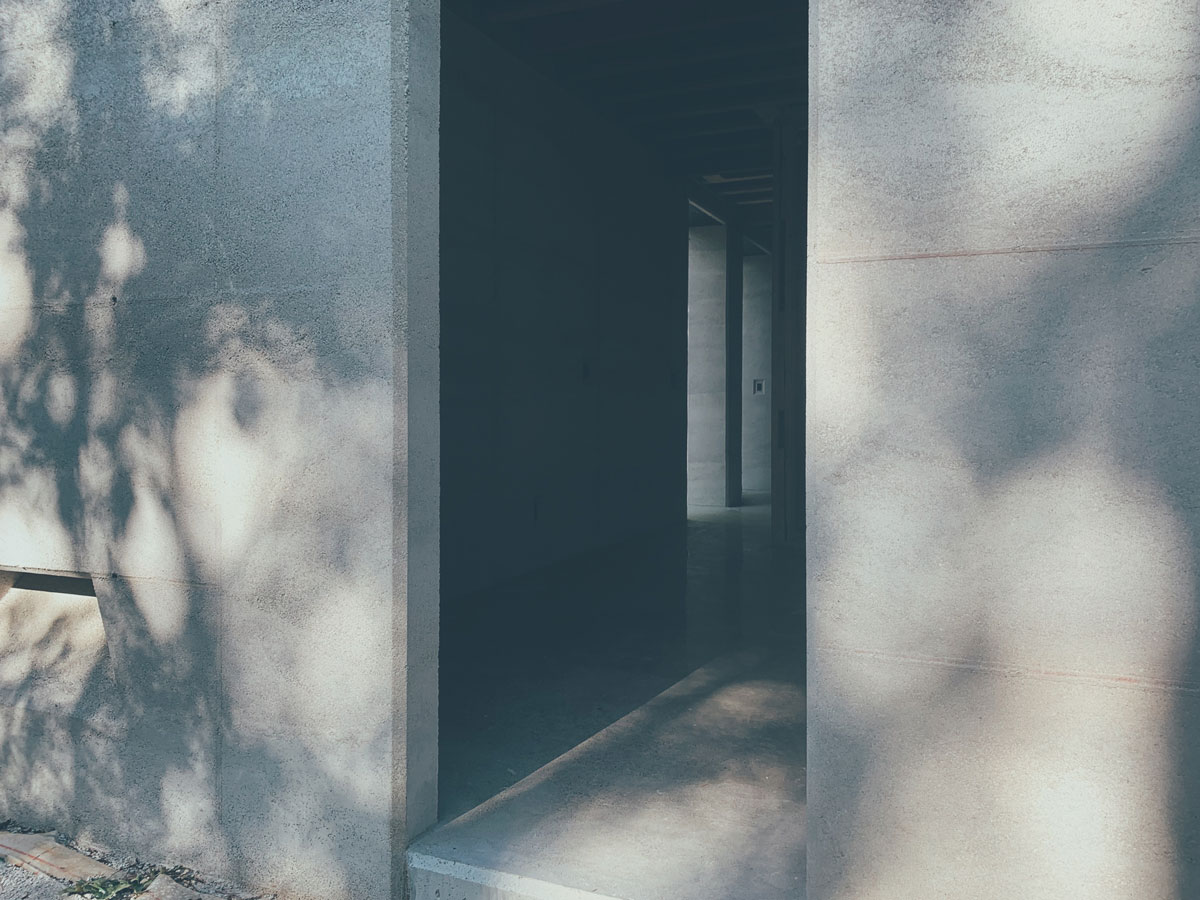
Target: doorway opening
<point x="586" y="609"/>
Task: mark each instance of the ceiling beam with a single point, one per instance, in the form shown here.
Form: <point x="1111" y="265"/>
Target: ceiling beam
<point x="741" y="160"/>
<point x="662" y="57"/>
<point x="536" y="9"/>
<point x="694" y="172"/>
<point x="716" y="160"/>
<point x="679" y="130"/>
<point x="609" y="31"/>
<point x="684" y="87"/>
<point x="716" y="180"/>
<point x="757" y="137"/>
<point x="747" y="191"/>
<point x="708" y="202"/>
<point x="705" y="106"/>
<point x="692" y="39"/>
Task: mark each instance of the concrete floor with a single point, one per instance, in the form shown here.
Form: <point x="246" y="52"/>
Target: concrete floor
<point x="695" y="789"/>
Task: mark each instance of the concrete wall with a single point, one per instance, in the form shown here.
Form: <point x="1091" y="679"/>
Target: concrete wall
<point x="206" y="345"/>
<point x="706" y="366"/>
<point x="756" y="364"/>
<point x="563" y="348"/>
<point x="1002" y="472"/>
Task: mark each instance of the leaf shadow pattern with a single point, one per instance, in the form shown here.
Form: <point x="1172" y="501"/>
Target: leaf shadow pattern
<point x="195" y="378"/>
<point x="1003" y="584"/>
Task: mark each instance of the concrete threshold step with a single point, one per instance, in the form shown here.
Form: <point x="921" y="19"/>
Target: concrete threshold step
<point x="697" y="795"/>
<point x="443" y="878"/>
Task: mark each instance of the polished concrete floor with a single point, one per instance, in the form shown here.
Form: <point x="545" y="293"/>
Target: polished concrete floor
<point x="649" y="705"/>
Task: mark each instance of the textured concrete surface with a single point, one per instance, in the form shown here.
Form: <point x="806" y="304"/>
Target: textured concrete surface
<point x="699" y="794"/>
<point x="756" y="364"/>
<point x="217" y="335"/>
<point x="17" y="883"/>
<point x="1002" y="473"/>
<point x="968" y="126"/>
<point x="706" y="366"/>
<point x="54" y="654"/>
<point x="563" y="349"/>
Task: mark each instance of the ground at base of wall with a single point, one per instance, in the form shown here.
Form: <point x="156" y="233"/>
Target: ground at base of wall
<point x="28" y="857"/>
<point x="21" y="884"/>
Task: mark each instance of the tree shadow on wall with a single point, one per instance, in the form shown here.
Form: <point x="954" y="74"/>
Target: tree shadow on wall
<point x="1006" y="686"/>
<point x="195" y="379"/>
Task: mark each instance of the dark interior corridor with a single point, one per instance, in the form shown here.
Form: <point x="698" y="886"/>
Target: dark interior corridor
<point x="579" y="143"/>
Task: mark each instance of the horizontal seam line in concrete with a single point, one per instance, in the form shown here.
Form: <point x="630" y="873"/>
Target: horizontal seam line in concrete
<point x="1008" y="251"/>
<point x="502" y="881"/>
<point x="215" y="295"/>
<point x="1140" y="682"/>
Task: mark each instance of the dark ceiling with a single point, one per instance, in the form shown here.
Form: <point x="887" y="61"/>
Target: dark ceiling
<point x="702" y="81"/>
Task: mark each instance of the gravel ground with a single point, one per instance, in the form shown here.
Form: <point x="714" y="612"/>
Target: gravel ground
<point x="17" y="883"/>
<point x="128" y="864"/>
<point x="21" y="884"/>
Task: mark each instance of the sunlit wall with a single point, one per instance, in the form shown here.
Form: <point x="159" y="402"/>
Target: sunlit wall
<point x="206" y="352"/>
<point x="1002" y="473"/>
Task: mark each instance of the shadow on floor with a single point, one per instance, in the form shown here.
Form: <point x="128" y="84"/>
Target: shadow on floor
<point x="544" y="662"/>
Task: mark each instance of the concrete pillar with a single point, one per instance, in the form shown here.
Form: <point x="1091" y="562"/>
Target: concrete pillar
<point x="1003" y="466"/>
<point x="756" y="370"/>
<point x="219" y="398"/>
<point x="715" y="366"/>
<point x="708" y="373"/>
<point x="416" y="447"/>
<point x="733" y="366"/>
